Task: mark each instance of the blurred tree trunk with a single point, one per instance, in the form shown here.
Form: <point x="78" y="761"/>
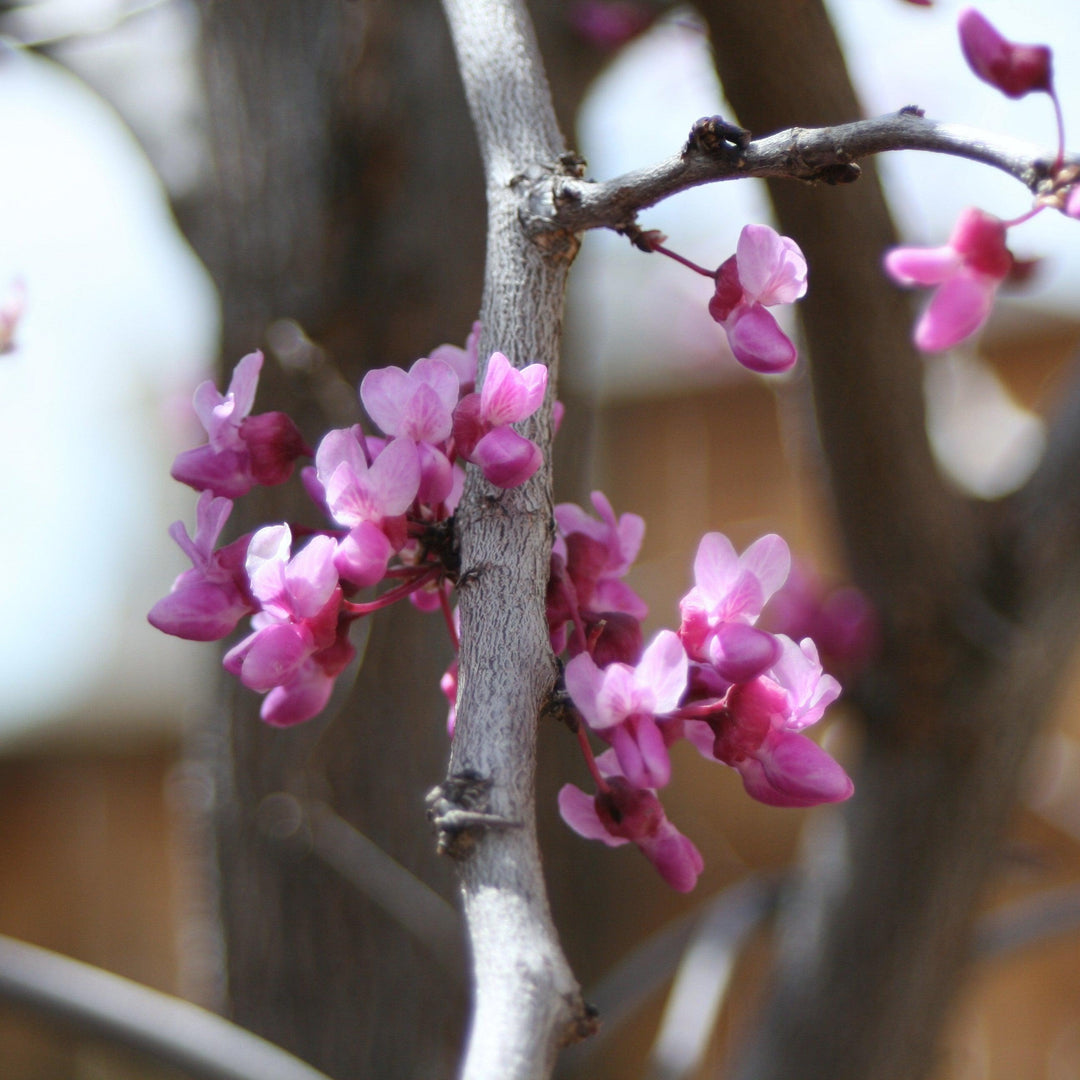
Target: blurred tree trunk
<point x="876" y="936"/>
<point x="347" y="196"/>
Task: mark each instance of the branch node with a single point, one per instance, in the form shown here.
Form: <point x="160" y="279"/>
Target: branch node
<point x="585" y="1023"/>
<point x="458" y="809"/>
<point x="559" y="706"/>
<point x="716" y="137"/>
<point x="840" y="172"/>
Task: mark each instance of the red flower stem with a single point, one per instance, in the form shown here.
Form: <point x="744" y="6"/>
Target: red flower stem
<point x="1024" y="217"/>
<point x="590" y="761"/>
<point x="1059" y="116"/>
<point x="579" y="626"/>
<point x="686" y="262"/>
<point x="391" y="596"/>
<point x="448" y="615"/>
<point x="698" y="710"/>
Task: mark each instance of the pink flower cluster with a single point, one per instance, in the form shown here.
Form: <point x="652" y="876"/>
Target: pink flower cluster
<point x="388" y="498"/>
<point x="967" y="271"/>
<point x="741" y="695"/>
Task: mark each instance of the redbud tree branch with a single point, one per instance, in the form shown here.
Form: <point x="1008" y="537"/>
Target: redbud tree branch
<point x="826" y="154"/>
<point x="527" y="1002"/>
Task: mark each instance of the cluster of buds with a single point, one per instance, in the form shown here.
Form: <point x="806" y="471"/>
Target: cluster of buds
<point x="388" y="500"/>
<point x="739" y="694"/>
<point x="967" y="271"/>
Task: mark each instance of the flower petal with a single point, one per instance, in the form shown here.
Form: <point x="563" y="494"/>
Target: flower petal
<point x="758" y="342"/>
<point x="956" y="310"/>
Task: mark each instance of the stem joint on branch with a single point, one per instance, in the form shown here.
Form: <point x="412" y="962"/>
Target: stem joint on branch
<point x="458" y="810"/>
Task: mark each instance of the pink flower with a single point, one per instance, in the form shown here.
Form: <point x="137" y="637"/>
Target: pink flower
<point x="841" y="621"/>
<point x="624" y="814"/>
<point x="298" y="644"/>
<point x="967" y="272"/>
<point x="243" y="450"/>
<point x="417" y="405"/>
<point x="719" y="612"/>
<point x="766" y="269"/>
<point x="464" y="361"/>
<point x="1013" y="69"/>
<point x="1072" y="202"/>
<point x="758" y="732"/>
<point x="598" y="553"/>
<point x="481" y="422"/>
<point x="368" y="499"/>
<point x="621" y="703"/>
<point x="207" y="601"/>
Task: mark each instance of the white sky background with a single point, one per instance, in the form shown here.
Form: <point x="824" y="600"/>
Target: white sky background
<point x="121" y="318"/>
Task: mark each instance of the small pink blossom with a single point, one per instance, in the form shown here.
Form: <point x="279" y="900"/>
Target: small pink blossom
<point x="967" y="272"/>
<point x="464" y="361"/>
<point x="719" y="612"/>
<point x="767" y="269"/>
<point x="243" y="450"/>
<point x="481" y="422"/>
<point x="1013" y="69"/>
<point x="417" y="404"/>
<point x="758" y="732"/>
<point x="621" y="704"/>
<point x="599" y="553"/>
<point x="297" y="626"/>
<point x="624" y="814"/>
<point x="368" y="499"/>
<point x="841" y="621"/>
<point x="207" y="601"/>
<point x="1072" y="202"/>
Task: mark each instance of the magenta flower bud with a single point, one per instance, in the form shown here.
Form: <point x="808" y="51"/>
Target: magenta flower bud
<point x="627" y="814"/>
<point x="242" y="450"/>
<point x="506" y="458"/>
<point x="207" y="601"/>
<point x="274" y="443"/>
<point x="1013" y="69"/>
<point x="619" y="640"/>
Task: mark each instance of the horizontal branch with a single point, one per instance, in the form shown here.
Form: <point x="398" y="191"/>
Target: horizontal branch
<point x="720" y="151"/>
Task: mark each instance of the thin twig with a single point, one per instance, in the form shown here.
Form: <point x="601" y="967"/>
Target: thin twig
<point x="165" y="1028"/>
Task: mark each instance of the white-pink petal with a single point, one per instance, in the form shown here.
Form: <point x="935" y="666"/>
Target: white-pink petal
<point x="663" y="670"/>
<point x="769" y="559"/>
<point x="311" y="577"/>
